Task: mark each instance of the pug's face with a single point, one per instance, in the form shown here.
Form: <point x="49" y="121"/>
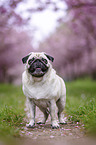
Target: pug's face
<point x="37" y="63"/>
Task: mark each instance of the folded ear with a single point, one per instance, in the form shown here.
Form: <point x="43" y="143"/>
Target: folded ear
<point x="49" y="57"/>
<point x="24" y="59"/>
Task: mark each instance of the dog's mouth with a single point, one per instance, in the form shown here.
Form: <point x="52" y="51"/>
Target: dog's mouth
<point x="37" y="67"/>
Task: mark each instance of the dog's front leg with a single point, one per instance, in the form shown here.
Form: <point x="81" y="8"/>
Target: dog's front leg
<point x="32" y="108"/>
<point x="53" y="114"/>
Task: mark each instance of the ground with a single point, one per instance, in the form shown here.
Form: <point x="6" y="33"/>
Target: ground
<point x="69" y="134"/>
<point x="45" y="134"/>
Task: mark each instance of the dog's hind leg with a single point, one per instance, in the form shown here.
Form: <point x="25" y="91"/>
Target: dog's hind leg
<point x="61" y="105"/>
<point x="46" y="114"/>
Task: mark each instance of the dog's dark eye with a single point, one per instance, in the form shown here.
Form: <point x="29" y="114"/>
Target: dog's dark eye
<point x="30" y="60"/>
<point x="44" y="60"/>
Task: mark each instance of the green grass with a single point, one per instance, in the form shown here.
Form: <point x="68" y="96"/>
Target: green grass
<point x="81" y="103"/>
<point x="11" y="110"/>
<point x="80" y="106"/>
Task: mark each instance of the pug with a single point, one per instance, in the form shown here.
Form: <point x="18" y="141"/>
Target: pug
<point x="43" y="88"/>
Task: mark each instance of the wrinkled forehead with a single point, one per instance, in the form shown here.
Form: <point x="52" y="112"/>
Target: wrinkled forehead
<point x="37" y="55"/>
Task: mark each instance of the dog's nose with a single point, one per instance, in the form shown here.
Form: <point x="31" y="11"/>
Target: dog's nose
<point x="38" y="70"/>
<point x="38" y="64"/>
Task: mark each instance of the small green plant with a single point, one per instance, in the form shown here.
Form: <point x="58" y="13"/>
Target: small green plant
<point x="81" y="103"/>
<point x="11" y="110"/>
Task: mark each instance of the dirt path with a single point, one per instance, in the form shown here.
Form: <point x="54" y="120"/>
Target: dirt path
<point x="43" y="134"/>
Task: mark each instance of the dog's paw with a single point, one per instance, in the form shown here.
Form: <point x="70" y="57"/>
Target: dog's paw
<point x="63" y="123"/>
<point x="40" y="122"/>
<point x="55" y="125"/>
<point x="31" y="124"/>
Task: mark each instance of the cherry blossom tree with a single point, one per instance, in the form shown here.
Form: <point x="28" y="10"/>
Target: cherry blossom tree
<point x="74" y="43"/>
<point x="14" y="44"/>
<point x="83" y="23"/>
